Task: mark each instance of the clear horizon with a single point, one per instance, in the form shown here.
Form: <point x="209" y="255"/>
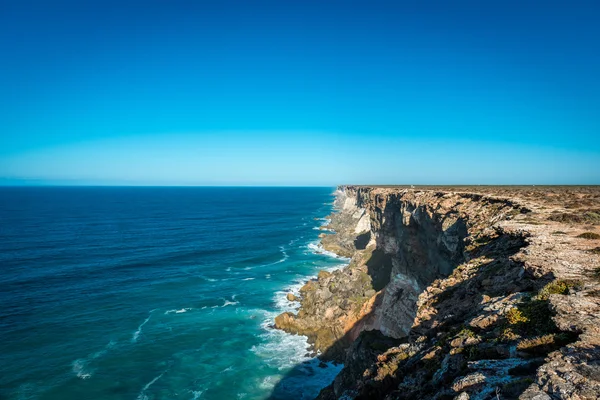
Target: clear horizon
<point x="299" y="93"/>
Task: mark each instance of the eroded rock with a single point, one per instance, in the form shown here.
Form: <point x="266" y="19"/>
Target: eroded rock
<point x="490" y="301"/>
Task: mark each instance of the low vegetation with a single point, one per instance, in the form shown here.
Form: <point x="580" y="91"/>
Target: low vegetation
<point x="589" y="235"/>
<point x="533" y="317"/>
<point x="585" y="217"/>
<point x="555" y="287"/>
<point x="542" y="345"/>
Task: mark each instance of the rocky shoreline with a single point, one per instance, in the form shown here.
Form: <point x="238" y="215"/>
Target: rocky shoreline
<point x="474" y="292"/>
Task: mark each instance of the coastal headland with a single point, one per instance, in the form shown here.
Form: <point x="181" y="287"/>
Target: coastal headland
<point x="458" y="292"/>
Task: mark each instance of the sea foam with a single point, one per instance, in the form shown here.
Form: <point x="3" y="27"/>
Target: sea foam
<point x="285" y="352"/>
<point x="137" y="333"/>
<point x="233" y="302"/>
<point x="81" y="366"/>
<point x="180" y="311"/>
<point x="316" y="248"/>
<point x="142" y="395"/>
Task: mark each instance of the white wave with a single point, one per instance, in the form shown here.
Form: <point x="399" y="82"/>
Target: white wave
<point x="80" y="369"/>
<point x="180" y="311"/>
<point x="207" y="278"/>
<point x="248" y="279"/>
<point x="270" y="382"/>
<point x="316" y="248"/>
<point x="290" y="353"/>
<point x="102" y="352"/>
<point x="280" y="349"/>
<point x="142" y="395"/>
<point x="285" y="254"/>
<point x="294" y="241"/>
<point x="230" y="303"/>
<point x="268" y="276"/>
<point x="81" y="365"/>
<point x="322" y="225"/>
<point x="282" y="304"/>
<point x="282" y="259"/>
<point x="137" y="333"/>
<point x="283" y="351"/>
<point x="197" y="394"/>
<point x="276" y="262"/>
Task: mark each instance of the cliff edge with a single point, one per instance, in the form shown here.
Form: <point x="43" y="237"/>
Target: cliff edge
<point x="459" y="292"/>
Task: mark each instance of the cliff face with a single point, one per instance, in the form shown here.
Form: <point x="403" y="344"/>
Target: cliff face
<point x="456" y="293"/>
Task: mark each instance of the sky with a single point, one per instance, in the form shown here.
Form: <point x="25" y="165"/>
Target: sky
<point x="299" y="92"/>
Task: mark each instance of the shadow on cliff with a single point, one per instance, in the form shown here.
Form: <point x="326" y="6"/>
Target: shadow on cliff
<point x="421" y="250"/>
<point x="440" y="352"/>
<point x="287" y="387"/>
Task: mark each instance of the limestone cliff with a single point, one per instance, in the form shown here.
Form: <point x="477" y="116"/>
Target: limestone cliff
<point x="459" y="292"/>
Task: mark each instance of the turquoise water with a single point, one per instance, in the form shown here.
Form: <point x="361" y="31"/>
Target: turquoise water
<point x="156" y="293"/>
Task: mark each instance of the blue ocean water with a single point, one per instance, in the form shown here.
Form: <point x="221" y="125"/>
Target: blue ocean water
<point x="156" y="293"/>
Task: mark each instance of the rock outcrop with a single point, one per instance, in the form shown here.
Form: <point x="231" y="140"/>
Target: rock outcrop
<point x="462" y="293"/>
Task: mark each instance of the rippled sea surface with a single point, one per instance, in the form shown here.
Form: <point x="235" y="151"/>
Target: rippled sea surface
<point x="156" y="293"/>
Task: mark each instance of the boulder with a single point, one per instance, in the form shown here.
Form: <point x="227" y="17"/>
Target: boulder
<point x="291" y="297"/>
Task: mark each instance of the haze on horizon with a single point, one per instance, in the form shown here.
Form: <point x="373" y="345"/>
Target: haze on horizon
<point x="299" y="93"/>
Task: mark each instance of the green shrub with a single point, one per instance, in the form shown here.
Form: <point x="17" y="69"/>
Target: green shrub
<point x="555" y="287"/>
<point x="466" y="333"/>
<point x="514" y="316"/>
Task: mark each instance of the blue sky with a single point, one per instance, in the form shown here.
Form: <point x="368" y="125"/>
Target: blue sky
<point x="299" y="93"/>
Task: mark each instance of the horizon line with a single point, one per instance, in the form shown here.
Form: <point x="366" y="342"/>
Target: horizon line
<point x="50" y="185"/>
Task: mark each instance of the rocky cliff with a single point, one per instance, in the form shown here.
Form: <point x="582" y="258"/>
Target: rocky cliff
<point x="462" y="293"/>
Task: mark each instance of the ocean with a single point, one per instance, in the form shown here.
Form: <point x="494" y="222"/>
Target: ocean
<point x="141" y="293"/>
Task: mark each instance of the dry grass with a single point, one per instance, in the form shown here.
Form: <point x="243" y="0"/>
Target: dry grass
<point x="528" y="344"/>
<point x="542" y="345"/>
<point x="587" y="217"/>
